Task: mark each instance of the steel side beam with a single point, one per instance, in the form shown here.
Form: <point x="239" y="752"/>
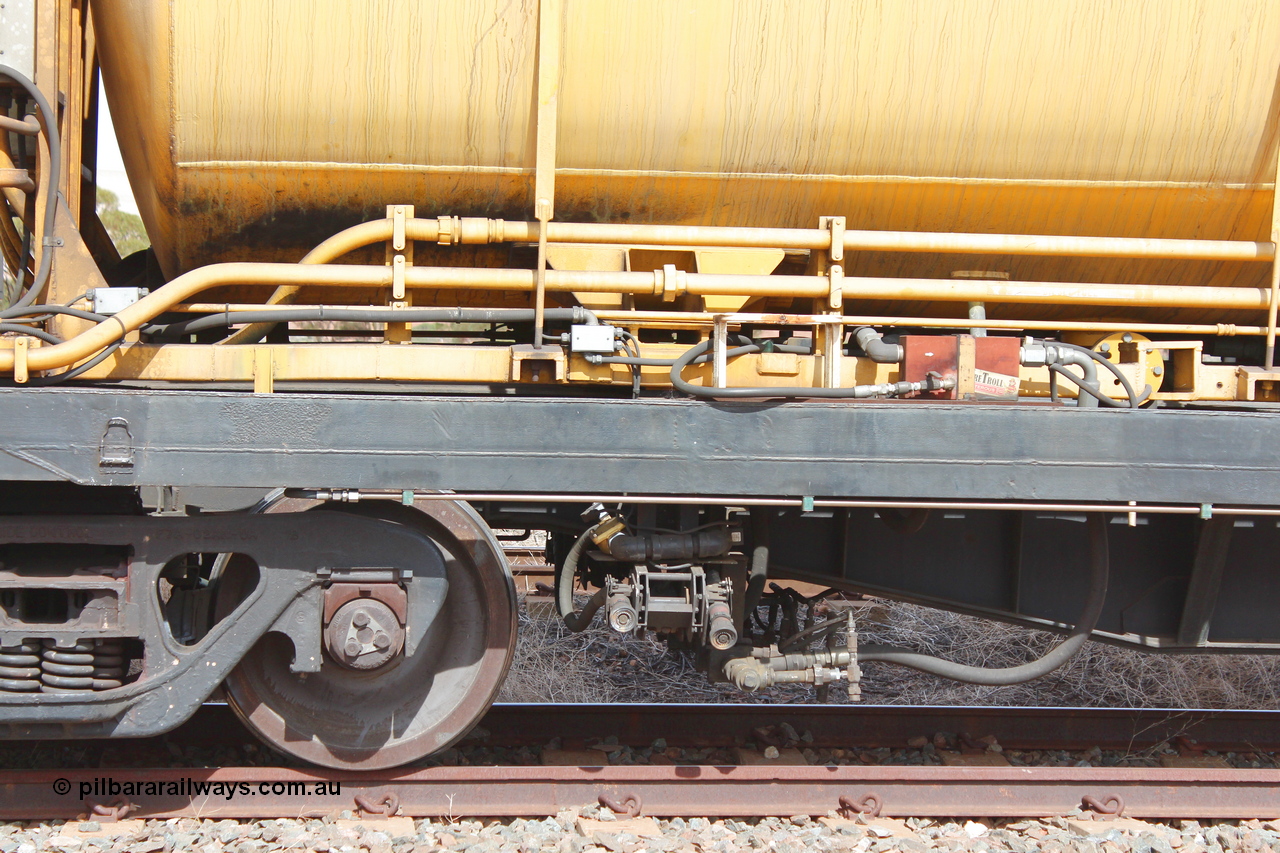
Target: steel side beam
<point x="676" y="447"/>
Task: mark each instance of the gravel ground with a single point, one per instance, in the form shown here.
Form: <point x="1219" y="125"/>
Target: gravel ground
<point x="596" y="829"/>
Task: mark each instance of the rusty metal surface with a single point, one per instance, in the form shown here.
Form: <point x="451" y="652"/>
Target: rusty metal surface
<point x="664" y="791"/>
<point x="397" y="713"/>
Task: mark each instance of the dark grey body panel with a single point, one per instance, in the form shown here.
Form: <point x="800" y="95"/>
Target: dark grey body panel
<point x="677" y="447"/>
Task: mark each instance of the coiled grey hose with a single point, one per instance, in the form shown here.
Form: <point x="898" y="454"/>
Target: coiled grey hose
<point x="50" y="185"/>
<point x="1054" y="658"/>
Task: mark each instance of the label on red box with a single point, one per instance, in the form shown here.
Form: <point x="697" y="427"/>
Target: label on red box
<point x="991" y="384"/>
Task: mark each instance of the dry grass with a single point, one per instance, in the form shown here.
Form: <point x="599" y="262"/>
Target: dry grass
<point x="553" y="665"/>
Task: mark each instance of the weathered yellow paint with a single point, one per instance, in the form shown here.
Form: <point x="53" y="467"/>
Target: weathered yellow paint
<point x="253" y="129"/>
<point x="263" y="366"/>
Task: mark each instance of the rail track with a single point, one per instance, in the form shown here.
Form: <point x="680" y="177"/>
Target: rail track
<point x="751" y="787"/>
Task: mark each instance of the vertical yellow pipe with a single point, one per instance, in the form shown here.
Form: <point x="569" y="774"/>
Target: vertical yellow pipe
<point x="544" y="183"/>
<point x="1274" y="302"/>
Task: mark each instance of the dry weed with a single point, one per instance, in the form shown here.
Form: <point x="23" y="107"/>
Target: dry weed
<point x="598" y="665"/>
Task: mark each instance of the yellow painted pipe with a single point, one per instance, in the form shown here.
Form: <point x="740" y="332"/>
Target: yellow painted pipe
<point x="474" y="230"/>
<point x="689" y="318"/>
<point x="893" y="241"/>
<point x="694" y="319"/>
<point x="339" y="275"/>
<point x="348" y="240"/>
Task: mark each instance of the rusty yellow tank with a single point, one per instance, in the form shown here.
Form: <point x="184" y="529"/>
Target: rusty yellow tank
<point x="252" y="130"/>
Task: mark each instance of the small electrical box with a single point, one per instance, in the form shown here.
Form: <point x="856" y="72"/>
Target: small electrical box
<point x="592" y="339"/>
<point x="113" y="300"/>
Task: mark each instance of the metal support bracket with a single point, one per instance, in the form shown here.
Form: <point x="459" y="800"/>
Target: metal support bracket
<point x="21" y="346"/>
<point x="835" y="271"/>
<point x="397" y="227"/>
<point x="397" y="278"/>
<point x="719" y="347"/>
<point x="264" y="370"/>
<point x="400" y="257"/>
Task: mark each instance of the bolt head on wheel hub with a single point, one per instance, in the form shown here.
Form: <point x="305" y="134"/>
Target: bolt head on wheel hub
<point x="364" y="634"/>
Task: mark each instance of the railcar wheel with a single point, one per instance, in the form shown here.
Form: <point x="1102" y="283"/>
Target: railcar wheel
<point x="413" y="706"/>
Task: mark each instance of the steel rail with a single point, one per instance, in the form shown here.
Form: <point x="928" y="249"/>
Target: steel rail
<point x="748" y="791"/>
<point x="704" y="790"/>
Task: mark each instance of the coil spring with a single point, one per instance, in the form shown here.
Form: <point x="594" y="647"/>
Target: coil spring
<point x="20" y="668"/>
<point x="71" y="667"/>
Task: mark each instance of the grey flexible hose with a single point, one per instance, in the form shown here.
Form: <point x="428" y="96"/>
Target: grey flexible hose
<point x="1054" y="658"/>
<point x="1134" y="399"/>
<point x="41" y="310"/>
<point x="576" y="622"/>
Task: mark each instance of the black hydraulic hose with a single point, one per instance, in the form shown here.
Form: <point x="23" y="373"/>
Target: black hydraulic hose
<point x="50" y="181"/>
<point x="746" y="346"/>
<point x="1054" y="658"/>
<point x="579" y="621"/>
<point x="678" y="381"/>
<point x="59" y="378"/>
<point x="367" y="315"/>
<point x="630" y="344"/>
<point x="43" y="310"/>
<point x="47" y="337"/>
<point x="668" y="362"/>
